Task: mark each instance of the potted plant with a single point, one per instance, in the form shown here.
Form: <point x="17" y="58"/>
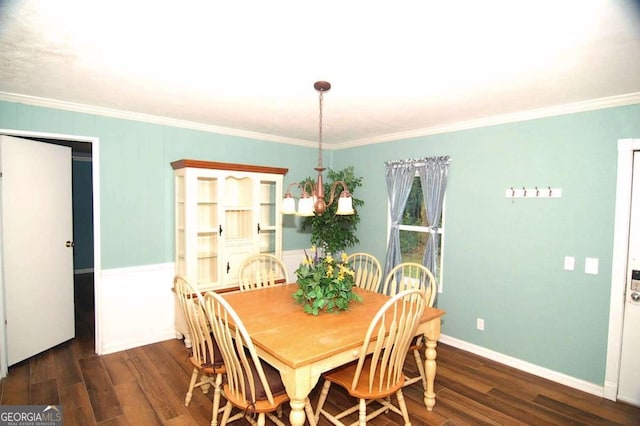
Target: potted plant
<point x="324" y="283"/>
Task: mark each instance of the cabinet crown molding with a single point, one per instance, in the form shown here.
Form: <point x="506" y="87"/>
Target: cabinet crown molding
<point x="201" y="164"/>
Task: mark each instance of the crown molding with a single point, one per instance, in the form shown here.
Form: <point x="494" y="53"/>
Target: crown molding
<point x="590" y="105"/>
<point x="148" y="118"/>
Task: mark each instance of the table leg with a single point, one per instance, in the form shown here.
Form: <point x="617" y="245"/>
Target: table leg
<point x="432" y="335"/>
<point x="297" y="416"/>
<point x="299" y="383"/>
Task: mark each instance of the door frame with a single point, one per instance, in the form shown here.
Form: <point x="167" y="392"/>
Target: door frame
<point x="97" y="268"/>
<point x="621" y="229"/>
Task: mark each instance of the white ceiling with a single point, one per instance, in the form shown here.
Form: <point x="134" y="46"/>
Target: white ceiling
<point x="398" y="68"/>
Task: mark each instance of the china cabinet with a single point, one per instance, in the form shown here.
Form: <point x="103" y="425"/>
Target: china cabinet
<point x="224" y="212"/>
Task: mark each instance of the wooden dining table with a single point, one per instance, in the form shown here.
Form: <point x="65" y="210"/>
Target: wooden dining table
<point x="303" y="346"/>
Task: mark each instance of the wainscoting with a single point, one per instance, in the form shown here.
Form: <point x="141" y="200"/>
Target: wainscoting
<point x="136" y="307"/>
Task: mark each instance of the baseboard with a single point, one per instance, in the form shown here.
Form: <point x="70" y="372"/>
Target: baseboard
<point x="527" y="367"/>
<point x="611" y="390"/>
<point x="117" y="345"/>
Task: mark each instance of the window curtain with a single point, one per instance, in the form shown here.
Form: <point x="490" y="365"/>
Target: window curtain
<point x="433" y="179"/>
<point x="399" y="175"/>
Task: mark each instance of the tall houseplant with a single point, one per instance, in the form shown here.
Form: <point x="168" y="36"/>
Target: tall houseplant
<point x="330" y="232"/>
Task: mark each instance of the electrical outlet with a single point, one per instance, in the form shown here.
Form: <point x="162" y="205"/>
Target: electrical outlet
<point x="480" y="324"/>
<point x="569" y="263"/>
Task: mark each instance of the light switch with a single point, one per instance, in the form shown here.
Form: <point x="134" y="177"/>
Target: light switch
<point x="591" y="266"/>
<point x="569" y="263"/>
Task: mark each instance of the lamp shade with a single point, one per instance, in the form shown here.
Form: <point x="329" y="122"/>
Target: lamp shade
<point x="305" y="206"/>
<point x="345" y="205"/>
<point x="288" y="205"/>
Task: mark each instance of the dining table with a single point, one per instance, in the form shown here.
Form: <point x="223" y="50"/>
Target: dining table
<point x="302" y="346"/>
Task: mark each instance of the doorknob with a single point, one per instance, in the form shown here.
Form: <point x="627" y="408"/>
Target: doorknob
<point x="70" y="244"/>
<point x="635" y="296"/>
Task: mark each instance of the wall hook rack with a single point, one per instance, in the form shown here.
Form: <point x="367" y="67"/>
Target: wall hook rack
<point x="535" y="192"/>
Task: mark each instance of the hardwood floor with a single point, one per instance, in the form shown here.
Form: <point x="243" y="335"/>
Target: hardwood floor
<point x="147" y="385"/>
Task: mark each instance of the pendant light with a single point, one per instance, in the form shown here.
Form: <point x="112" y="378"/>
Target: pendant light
<point x="312" y="200"/>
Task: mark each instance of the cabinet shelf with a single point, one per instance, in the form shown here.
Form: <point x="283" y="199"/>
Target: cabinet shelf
<point x="208" y="231"/>
<point x="207" y="255"/>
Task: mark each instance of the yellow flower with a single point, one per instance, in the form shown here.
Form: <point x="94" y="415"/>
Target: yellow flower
<point x="344" y="257"/>
<point x="328" y="259"/>
<point x="329" y="271"/>
<point x="344" y="271"/>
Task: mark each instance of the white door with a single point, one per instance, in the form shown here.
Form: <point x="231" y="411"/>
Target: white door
<point x="37" y="257"/>
<point x="629" y="381"/>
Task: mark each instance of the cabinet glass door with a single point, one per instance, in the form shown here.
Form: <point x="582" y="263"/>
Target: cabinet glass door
<point x="181" y="264"/>
<point x="268" y="216"/>
<point x="238" y="230"/>
<point x="208" y="230"/>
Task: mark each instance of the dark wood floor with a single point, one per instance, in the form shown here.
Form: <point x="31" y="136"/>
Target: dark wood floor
<point x="146" y="386"/>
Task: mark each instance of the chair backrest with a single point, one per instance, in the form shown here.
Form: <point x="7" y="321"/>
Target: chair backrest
<point x="246" y="378"/>
<point x="203" y="347"/>
<point x="262" y="270"/>
<point x="410" y="275"/>
<point x="368" y="270"/>
<point x="390" y="333"/>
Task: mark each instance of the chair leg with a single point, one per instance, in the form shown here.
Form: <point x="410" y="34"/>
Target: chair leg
<point x="216" y="400"/>
<point x="261" y="420"/>
<point x="274" y="419"/>
<point x="226" y="414"/>
<point x="309" y="411"/>
<point x="362" y="412"/>
<point x="403" y="407"/>
<point x="192" y="383"/>
<point x="205" y="383"/>
<point x="420" y="365"/>
<point x="322" y="399"/>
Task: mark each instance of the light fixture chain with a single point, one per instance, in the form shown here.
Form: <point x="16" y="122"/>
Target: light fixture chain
<point x="320" y="133"/>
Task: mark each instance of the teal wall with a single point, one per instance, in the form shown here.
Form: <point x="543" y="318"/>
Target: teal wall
<point x="503" y="257"/>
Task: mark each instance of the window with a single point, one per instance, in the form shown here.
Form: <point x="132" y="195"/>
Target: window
<point x="414" y="230"/>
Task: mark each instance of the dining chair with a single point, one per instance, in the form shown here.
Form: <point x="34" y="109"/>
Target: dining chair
<point x="253" y="386"/>
<point x="208" y="366"/>
<point x="368" y="270"/>
<point x="261" y="270"/>
<point x="413" y="275"/>
<point x="379" y="375"/>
